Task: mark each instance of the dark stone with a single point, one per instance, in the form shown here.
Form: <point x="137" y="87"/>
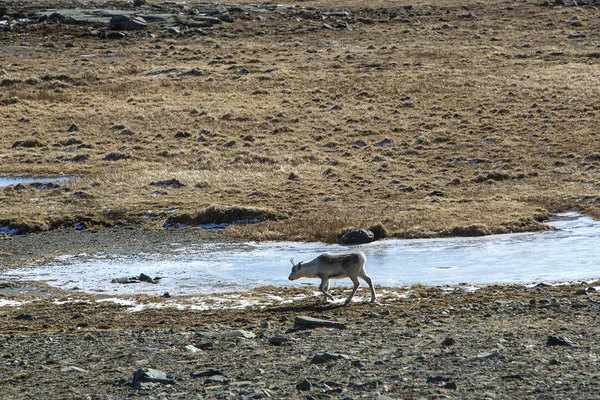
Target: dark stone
<point x="116" y="35"/>
<point x="559" y="341"/>
<point x="116" y="156"/>
<point x="25" y="317"/>
<point x="125" y="23"/>
<point x="205" y="345"/>
<point x="309" y="322"/>
<point x="27" y="143"/>
<point x="226" y="18"/>
<point x="512" y="376"/>
<point x="173" y="183"/>
<point x="494" y="355"/>
<point x="304" y="386"/>
<point x="147" y="279"/>
<point x="278" y="341"/>
<point x="359" y="236"/>
<point x="450" y="385"/>
<point x="73" y="128"/>
<point x="182" y="135"/>
<point x="326" y="357"/>
<point x="217" y="379"/>
<point x="125" y="281"/>
<point x="205" y="373"/>
<point x="438" y="379"/>
<point x="449" y="341"/>
<point x="379" y="231"/>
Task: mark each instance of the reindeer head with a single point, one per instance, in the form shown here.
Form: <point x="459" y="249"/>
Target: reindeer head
<point x="295" y="274"/>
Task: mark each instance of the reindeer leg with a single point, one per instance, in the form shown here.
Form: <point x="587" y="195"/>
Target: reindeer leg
<point x="365" y="278"/>
<point x="327" y="290"/>
<point x="324" y="287"/>
<point x="356" y="284"/>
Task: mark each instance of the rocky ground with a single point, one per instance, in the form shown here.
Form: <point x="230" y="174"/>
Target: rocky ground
<point x="497" y="342"/>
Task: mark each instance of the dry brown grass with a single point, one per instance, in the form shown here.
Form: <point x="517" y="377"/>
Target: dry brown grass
<point x="430" y="124"/>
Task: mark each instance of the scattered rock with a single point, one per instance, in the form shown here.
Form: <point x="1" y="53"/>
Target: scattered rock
<point x="205" y="373"/>
<point x="309" y="322"/>
<point x="226" y="18"/>
<point x="73" y="369"/>
<point x="25" y="317"/>
<point x="116" y="157"/>
<point x="148" y="375"/>
<point x="559" y="341"/>
<point x="383" y="143"/>
<point x="217" y="379"/>
<point x="304" y="386"/>
<point x="512" y="376"/>
<point x="73" y="128"/>
<point x="125" y="281"/>
<point x="240" y="334"/>
<point x="449" y="341"/>
<point x="116" y="35"/>
<point x="359" y="236"/>
<point x="141" y="278"/>
<point x="126" y="23"/>
<point x="182" y="135"/>
<point x="27" y="143"/>
<point x="450" y="385"/>
<point x="172" y="183"/>
<point x="191" y="348"/>
<point x="278" y="341"/>
<point x="205" y="345"/>
<point x="438" y="379"/>
<point x="265" y="325"/>
<point x="494" y="355"/>
<point x="326" y="357"/>
<point x="379" y="231"/>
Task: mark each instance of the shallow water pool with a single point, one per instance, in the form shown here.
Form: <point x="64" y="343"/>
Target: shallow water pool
<point x="10" y="180"/>
<point x="569" y="253"/>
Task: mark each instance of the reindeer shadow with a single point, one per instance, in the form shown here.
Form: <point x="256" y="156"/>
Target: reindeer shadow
<point x="315" y="308"/>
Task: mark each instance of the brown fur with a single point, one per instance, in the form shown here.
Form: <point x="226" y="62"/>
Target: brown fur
<point x="347" y="259"/>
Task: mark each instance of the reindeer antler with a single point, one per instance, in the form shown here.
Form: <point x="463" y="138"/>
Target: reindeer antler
<point x="292" y="261"/>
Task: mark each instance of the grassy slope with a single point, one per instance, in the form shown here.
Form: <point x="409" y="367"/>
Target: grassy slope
<point x="426" y="121"/>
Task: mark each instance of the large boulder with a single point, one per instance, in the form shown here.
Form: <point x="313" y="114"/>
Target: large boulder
<point x="358" y="236"/>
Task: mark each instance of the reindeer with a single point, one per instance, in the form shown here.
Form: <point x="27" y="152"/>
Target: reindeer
<point x="328" y="267"/>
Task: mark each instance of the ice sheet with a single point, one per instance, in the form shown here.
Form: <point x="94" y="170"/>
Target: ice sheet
<point x="567" y="254"/>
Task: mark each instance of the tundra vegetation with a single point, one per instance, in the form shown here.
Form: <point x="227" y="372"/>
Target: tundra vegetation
<point x="428" y="118"/>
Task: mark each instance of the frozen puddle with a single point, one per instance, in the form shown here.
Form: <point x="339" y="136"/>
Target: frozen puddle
<point x="7" y="181"/>
<point x="569" y="253"/>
